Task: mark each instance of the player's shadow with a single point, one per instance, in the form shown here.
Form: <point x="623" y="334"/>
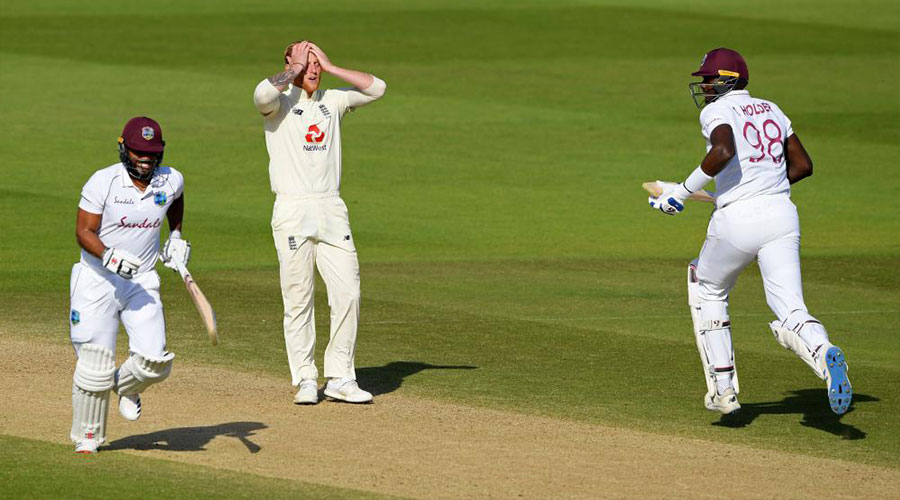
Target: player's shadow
<point x="812" y="404"/>
<point x="189" y="438"/>
<point x="389" y="378"/>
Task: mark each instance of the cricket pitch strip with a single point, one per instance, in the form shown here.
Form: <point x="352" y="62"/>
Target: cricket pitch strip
<point x="407" y="446"/>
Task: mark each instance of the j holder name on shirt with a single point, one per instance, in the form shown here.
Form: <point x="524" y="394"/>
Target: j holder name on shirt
<point x="756" y="109"/>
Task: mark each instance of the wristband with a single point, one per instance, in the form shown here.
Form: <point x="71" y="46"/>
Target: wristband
<point x="696" y="180"/>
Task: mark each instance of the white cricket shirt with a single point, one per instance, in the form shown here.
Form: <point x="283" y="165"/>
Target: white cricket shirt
<point x="760" y="132"/>
<point x="130" y="219"/>
<point x="303" y="135"/>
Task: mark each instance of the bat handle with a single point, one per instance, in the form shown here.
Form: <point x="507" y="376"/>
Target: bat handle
<point x="182" y="270"/>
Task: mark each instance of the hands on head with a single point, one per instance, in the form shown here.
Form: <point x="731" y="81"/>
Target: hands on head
<point x="324" y="62"/>
<point x="298" y="57"/>
<point x="304" y="63"/>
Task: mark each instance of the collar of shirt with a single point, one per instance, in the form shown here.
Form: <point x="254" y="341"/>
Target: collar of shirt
<point x="298" y="94"/>
<point x="128" y="183"/>
<point x="735" y="93"/>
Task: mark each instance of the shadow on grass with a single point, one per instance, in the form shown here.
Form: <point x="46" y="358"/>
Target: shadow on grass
<point x="812" y="404"/>
<point x="189" y="438"/>
<point x="389" y="378"/>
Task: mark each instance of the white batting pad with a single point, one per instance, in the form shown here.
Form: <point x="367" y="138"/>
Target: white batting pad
<point x="94" y="377"/>
<point x="701" y="327"/>
<point x="139" y="372"/>
<point x="807" y="327"/>
<point x="791" y="340"/>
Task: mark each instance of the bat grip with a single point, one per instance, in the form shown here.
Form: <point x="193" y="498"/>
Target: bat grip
<point x="182" y="270"/>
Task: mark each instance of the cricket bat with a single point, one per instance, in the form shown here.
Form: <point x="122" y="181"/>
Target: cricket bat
<point x="203" y="306"/>
<point x="656" y="188"/>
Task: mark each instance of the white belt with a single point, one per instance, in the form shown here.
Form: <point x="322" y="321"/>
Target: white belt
<point x="307" y="196"/>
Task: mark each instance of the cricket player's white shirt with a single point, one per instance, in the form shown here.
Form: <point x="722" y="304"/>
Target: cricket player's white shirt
<point x="130" y="219"/>
<point x="760" y="131"/>
<point x="303" y="136"/>
<point x="310" y="222"/>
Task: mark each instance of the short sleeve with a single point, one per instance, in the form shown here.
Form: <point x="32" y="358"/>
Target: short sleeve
<point x="175" y="180"/>
<point x="94" y="193"/>
<point x="787" y="122"/>
<point x="179" y="183"/>
<point x="710" y="118"/>
<point x="339" y="99"/>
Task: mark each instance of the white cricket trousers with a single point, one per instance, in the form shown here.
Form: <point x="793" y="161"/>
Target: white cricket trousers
<point x="314" y="232"/>
<point x="100" y="299"/>
<point x="766" y="228"/>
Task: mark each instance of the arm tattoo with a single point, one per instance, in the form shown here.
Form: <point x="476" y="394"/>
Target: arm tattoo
<point x="283" y="78"/>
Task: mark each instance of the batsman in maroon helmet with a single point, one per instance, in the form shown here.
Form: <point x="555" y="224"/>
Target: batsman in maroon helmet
<point x="754" y="156"/>
<point x="120" y="216"/>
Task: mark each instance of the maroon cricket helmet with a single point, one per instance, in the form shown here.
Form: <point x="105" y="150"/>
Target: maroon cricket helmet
<point x="143" y="134"/>
<point x="723" y="62"/>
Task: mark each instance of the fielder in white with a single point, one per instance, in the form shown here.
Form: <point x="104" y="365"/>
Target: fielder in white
<point x="754" y="156"/>
<point x="310" y="223"/>
<point x="118" y="227"/>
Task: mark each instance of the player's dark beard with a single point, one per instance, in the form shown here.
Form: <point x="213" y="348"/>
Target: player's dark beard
<point x="149" y="166"/>
<point x="144" y="167"/>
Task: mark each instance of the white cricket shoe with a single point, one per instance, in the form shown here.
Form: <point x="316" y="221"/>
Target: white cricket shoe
<point x="308" y="392"/>
<point x="346" y="389"/>
<point x="130" y="407"/>
<point x="725" y="403"/>
<point x="87" y="446"/>
<point x="833" y="364"/>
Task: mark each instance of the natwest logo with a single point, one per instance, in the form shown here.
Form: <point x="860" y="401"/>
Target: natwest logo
<point x="144" y="224"/>
<point x="314" y="134"/>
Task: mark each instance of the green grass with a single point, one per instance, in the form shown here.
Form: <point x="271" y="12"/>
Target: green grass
<point x="35" y="469"/>
<point x="494" y="194"/>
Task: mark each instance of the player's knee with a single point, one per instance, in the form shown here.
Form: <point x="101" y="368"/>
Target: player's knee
<point x="155" y="368"/>
<point x="139" y="372"/>
<point x="710" y="292"/>
<point x="707" y="290"/>
<point x="714" y="316"/>
<point x="348" y="294"/>
<point x="348" y="299"/>
<point x="95" y="368"/>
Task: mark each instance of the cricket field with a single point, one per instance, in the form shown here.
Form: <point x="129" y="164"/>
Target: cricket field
<point x="524" y="321"/>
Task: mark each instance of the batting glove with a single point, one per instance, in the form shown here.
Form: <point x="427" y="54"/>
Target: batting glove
<point x="175" y="250"/>
<point x="671" y="201"/>
<point x="121" y="262"/>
